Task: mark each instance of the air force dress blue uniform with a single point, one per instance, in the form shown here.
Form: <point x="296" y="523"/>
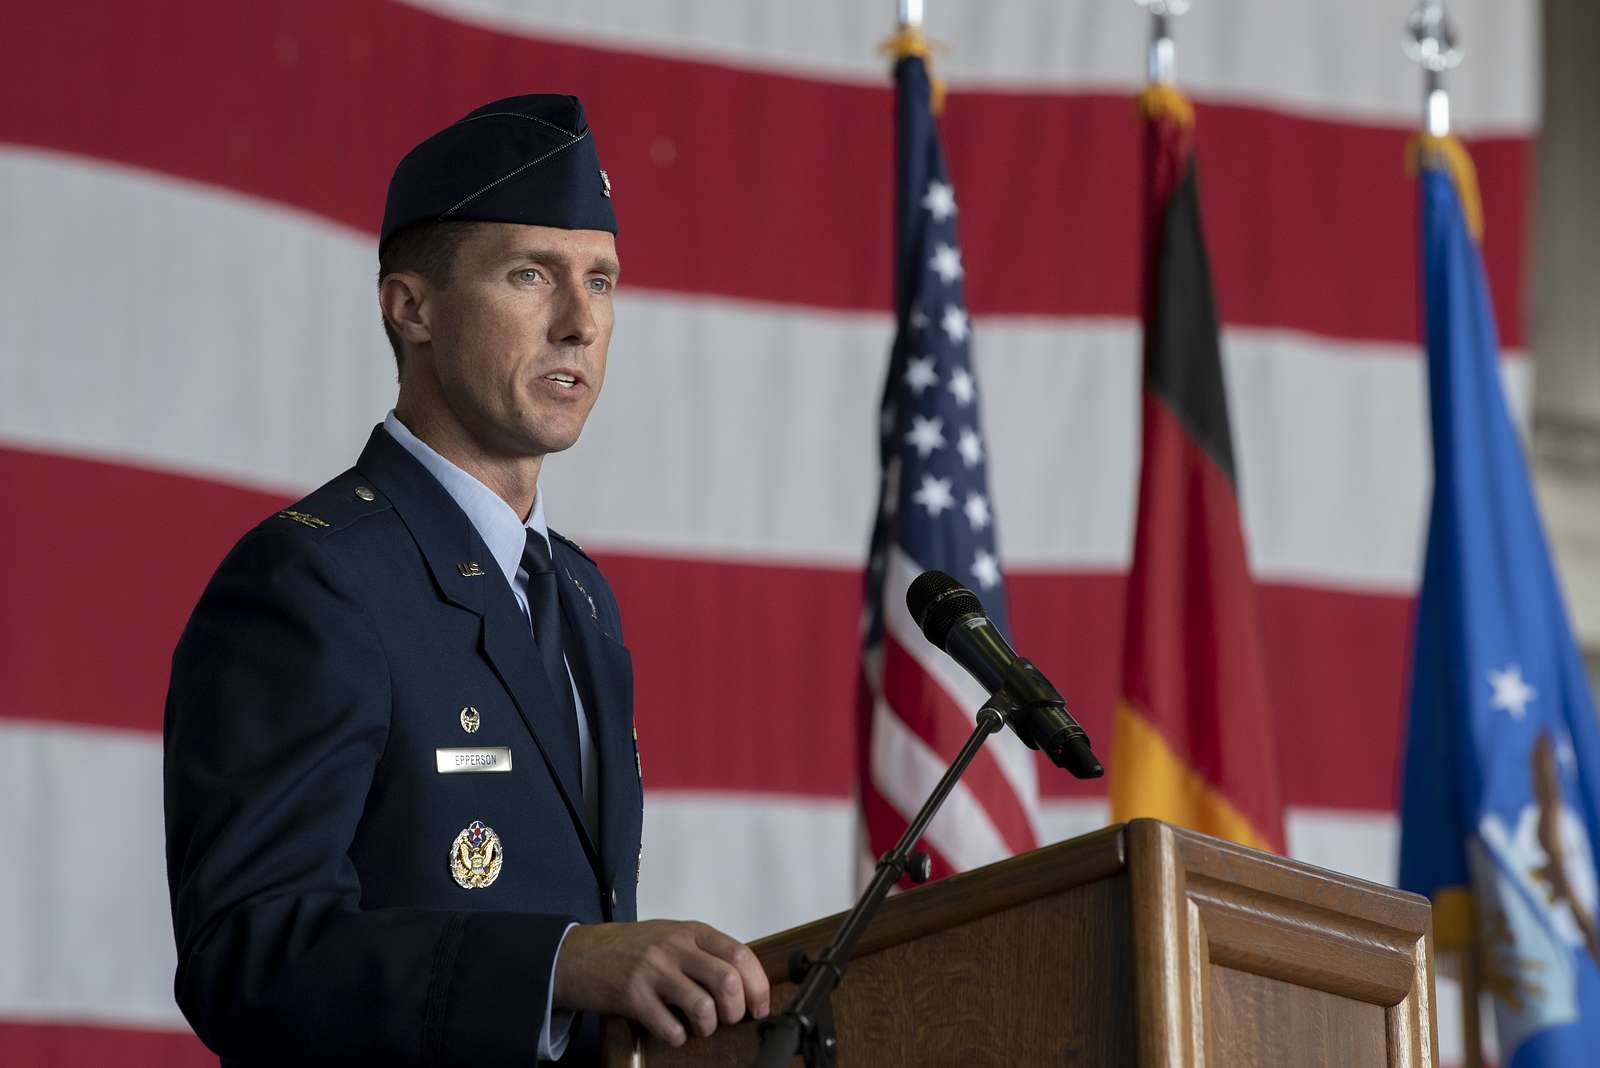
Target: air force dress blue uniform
<point x="341" y="892"/>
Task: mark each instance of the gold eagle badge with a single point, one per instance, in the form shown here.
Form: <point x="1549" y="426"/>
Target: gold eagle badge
<point x="476" y="856"/>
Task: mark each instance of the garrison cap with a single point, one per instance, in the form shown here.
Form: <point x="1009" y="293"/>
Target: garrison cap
<point x="525" y="159"/>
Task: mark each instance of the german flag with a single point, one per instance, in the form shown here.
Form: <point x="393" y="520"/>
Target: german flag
<point x="1193" y="741"/>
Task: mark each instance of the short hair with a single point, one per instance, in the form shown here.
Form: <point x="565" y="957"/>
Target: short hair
<point x="426" y="249"/>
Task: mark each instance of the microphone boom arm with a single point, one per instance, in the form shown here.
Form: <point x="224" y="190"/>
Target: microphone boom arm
<point x="806" y="1024"/>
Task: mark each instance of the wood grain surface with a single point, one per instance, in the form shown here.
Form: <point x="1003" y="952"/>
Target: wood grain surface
<point x="1140" y="945"/>
<point x="1261" y="1022"/>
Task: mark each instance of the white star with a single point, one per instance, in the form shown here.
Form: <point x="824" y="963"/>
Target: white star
<point x="970" y="446"/>
<point x="940" y="201"/>
<point x="986" y="569"/>
<point x="954" y="323"/>
<point x="934" y="495"/>
<point x="962" y="386"/>
<point x="918" y="319"/>
<point x="920" y="374"/>
<point x="977" y="509"/>
<point x="946" y="263"/>
<point x="1511" y="693"/>
<point x="926" y="435"/>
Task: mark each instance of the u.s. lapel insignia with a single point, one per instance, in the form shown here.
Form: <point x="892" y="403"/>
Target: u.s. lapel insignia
<point x="594" y="613"/>
<point x="470" y="569"/>
<point x="475" y="857"/>
<point x="470" y="719"/>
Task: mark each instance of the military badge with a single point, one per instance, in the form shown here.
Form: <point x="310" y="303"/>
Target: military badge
<point x="594" y="613"/>
<point x="470" y="718"/>
<point x="475" y="857"/>
<point x="303" y="518"/>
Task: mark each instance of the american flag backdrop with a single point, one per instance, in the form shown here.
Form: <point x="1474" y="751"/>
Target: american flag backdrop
<point x="189" y="199"/>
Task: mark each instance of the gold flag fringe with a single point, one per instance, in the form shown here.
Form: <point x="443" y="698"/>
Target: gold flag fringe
<point x="1162" y="100"/>
<point x="1449" y="154"/>
<point x="907" y="42"/>
<point x="1453" y="926"/>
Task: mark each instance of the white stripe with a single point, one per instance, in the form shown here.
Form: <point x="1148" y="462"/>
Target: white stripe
<point x="253" y="355"/>
<point x="1016" y="760"/>
<point x="1305" y="55"/>
<point x="1363" y="844"/>
<point x="905" y="771"/>
<point x="86" y="933"/>
<point x="85" y="926"/>
<point x="748" y="864"/>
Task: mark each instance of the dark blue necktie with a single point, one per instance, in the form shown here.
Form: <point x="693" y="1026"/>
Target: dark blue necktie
<point x="544" y="605"/>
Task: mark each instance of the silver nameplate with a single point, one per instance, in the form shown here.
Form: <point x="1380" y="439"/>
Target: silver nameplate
<point x="480" y="758"/>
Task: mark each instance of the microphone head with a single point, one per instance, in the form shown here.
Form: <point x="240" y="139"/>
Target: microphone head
<point x="937" y="601"/>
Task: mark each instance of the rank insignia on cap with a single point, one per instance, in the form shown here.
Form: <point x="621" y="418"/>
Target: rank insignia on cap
<point x="529" y="160"/>
<point x="475" y="857"/>
<point x="470" y="719"/>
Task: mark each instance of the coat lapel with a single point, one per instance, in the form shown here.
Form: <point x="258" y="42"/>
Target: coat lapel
<point x="605" y="674"/>
<point x="451" y="546"/>
<point x="508" y="645"/>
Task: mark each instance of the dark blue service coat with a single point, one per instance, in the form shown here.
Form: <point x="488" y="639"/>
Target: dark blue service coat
<point x="309" y="833"/>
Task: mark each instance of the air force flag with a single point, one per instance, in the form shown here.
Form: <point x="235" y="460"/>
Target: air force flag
<point x="1501" y="795"/>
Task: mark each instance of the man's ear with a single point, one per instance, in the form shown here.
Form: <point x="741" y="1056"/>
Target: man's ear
<point x="403" y="299"/>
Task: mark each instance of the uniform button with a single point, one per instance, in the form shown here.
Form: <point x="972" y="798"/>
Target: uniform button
<point x="365" y="494"/>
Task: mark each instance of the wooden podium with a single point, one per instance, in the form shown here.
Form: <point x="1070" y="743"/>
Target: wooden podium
<point x="1142" y="944"/>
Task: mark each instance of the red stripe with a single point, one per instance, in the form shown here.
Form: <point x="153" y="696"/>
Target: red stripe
<point x="78" y="1045"/>
<point x="944" y="726"/>
<point x="746" y="671"/>
<point x="310" y="104"/>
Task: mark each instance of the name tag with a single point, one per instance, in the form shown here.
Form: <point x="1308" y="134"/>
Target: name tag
<point x="453" y="761"/>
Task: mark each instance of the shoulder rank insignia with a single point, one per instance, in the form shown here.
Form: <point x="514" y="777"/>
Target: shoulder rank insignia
<point x="302" y="518"/>
<point x="475" y="857"/>
<point x="573" y="545"/>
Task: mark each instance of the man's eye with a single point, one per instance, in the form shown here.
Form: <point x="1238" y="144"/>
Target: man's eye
<point x="600" y="285"/>
<point x="528" y="274"/>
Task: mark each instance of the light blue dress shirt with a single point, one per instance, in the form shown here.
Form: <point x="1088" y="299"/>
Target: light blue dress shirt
<point x="505" y="534"/>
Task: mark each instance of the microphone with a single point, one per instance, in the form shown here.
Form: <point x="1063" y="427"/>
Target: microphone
<point x="952" y="618"/>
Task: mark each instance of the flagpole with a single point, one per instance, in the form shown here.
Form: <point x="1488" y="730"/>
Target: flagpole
<point x="1430" y="42"/>
<point x="1163" y="53"/>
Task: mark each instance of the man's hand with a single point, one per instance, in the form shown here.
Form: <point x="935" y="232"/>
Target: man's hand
<point x="644" y="970"/>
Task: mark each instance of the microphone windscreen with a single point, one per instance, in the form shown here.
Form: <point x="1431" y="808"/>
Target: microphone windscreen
<point x="936" y="601"/>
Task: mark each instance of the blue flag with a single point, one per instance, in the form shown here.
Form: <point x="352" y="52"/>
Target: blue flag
<point x="1501" y="796"/>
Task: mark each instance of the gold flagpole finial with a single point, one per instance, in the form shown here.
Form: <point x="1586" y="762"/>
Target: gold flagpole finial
<point x="909" y="41"/>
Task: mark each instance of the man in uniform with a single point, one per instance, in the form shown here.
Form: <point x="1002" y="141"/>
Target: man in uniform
<point x="402" y="793"/>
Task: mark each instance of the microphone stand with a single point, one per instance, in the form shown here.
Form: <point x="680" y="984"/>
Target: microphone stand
<point x="806" y="1025"/>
